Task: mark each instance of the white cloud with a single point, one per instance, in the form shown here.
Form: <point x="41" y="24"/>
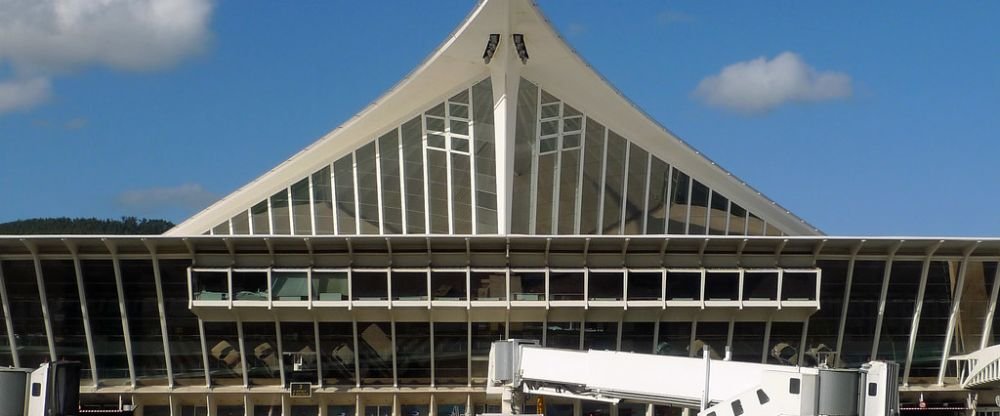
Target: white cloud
<point x="20" y="94"/>
<point x="759" y="85"/>
<point x="45" y="38"/>
<point x="190" y="196"/>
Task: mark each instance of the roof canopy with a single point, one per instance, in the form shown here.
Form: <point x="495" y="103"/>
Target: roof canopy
<point x="503" y="130"/>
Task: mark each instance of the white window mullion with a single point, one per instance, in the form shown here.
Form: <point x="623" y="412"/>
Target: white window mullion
<point x="312" y="205"/>
<point x="333" y="197"/>
<point x="604" y="184"/>
<point x="536" y="158"/>
<point x="402" y="177"/>
<point x="623" y="205"/>
<point x="357" y="193"/>
<point x="378" y="186"/>
<point x="554" y="215"/>
<point x="472" y="166"/>
<point x="447" y="164"/>
<point x="645" y="197"/>
<point x="577" y="214"/>
<point x="427" y="180"/>
<point x="291" y="212"/>
<point x="668" y="199"/>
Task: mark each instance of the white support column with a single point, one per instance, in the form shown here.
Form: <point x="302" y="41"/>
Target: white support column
<point x="357" y="364"/>
<point x="802" y="341"/>
<point x="161" y="309"/>
<point x="505" y="77"/>
<point x="242" y="346"/>
<point x="319" y="356"/>
<point x="991" y="312"/>
<point x="42" y="298"/>
<point x="204" y="352"/>
<point x="11" y="340"/>
<point x="767" y="340"/>
<point x="917" y="310"/>
<point x="468" y="349"/>
<point x="124" y="313"/>
<point x="431" y="329"/>
<point x="379" y="187"/>
<point x="956" y="305"/>
<point x="846" y="302"/>
<point x="281" y="352"/>
<point x="395" y="373"/>
<point x="84" y="310"/>
<point x="886" y="274"/>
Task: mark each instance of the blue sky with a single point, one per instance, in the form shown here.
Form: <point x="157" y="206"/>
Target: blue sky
<point x="893" y="131"/>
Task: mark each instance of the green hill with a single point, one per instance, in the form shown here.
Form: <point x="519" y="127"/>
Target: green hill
<point x="125" y="225"/>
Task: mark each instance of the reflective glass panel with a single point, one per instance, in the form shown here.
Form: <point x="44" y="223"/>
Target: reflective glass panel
<point x="699" y="208"/>
<point x="343" y="177"/>
<point x="862" y="310"/>
<point x="524" y="141"/>
<point x="375" y="353"/>
<point x="614" y="184"/>
<point x="141" y="305"/>
<point x="323" y="201"/>
<point x="261" y="223"/>
<point x="718" y="215"/>
<point x="485" y="155"/>
<point x="680" y="190"/>
<point x="280" y="218"/>
<point x="368" y="206"/>
<point x="413" y="353"/>
<point x="656" y="215"/>
<point x="635" y="202"/>
<point x="593" y="179"/>
<point x="263" y="357"/>
<point x="413" y="174"/>
<point x="461" y="194"/>
<point x="392" y="208"/>
<point x="301" y="208"/>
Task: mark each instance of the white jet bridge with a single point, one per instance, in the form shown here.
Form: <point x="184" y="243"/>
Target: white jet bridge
<point x="715" y="387"/>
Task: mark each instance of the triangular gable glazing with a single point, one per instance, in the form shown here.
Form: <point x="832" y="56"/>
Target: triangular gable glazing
<point x="574" y="176"/>
<point x="434" y="174"/>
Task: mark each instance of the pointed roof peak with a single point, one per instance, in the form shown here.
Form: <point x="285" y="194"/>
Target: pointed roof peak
<point x="503" y="41"/>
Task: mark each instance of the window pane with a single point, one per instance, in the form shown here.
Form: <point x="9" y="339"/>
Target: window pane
<point x="280" y="218"/>
<point x="461" y="194"/>
<point x="323" y="201"/>
<point x="679" y="185"/>
<point x="866" y="288"/>
<point x="261" y="223"/>
<point x="718" y="215"/>
<point x="614" y="184"/>
<point x="564" y="335"/>
<point x="451" y="354"/>
<point x="524" y="140"/>
<point x="737" y="220"/>
<point x="934" y="315"/>
<point x="656" y="221"/>
<point x="263" y="358"/>
<point x="142" y="308"/>
<point x="182" y="325"/>
<point x="224" y="357"/>
<point x="392" y="208"/>
<point x="343" y="176"/>
<point x="485" y="154"/>
<point x="241" y="223"/>
<point x="64" y="310"/>
<point x="105" y="321"/>
<point x="593" y="179"/>
<point x="699" y="208"/>
<point x="635" y="203"/>
<point x="904" y="283"/>
<point x="413" y="173"/>
<point x="544" y="197"/>
<point x="337" y="343"/>
<point x="413" y="352"/>
<point x="298" y="343"/>
<point x="600" y="336"/>
<point x="367" y="189"/>
<point x="437" y="182"/>
<point x="301" y="211"/>
<point x="569" y="173"/>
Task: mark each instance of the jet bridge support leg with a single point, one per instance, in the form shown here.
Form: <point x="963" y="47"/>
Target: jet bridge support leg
<point x="511" y="402"/>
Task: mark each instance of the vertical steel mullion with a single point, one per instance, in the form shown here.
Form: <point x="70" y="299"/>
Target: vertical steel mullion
<point x="312" y="205"/>
<point x="402" y="178"/>
<point x="291" y="210"/>
<point x="319" y="355"/>
<point x="250" y="229"/>
<point x="690" y="206"/>
<point x="618" y="336"/>
<point x="124" y="313"/>
<point x="645" y="197"/>
<point x="11" y="339"/>
<point x="43" y="300"/>
<point x="333" y="197"/>
<point x="84" y="312"/>
<point x="162" y="310"/>
<point x="604" y="185"/>
<point x="535" y="159"/>
<point x="767" y="340"/>
<point x="447" y="170"/>
<point x="578" y="198"/>
<point x="427" y="180"/>
<point x="694" y="335"/>
<point x="395" y="371"/>
<point x="357" y="192"/>
<point x="917" y="310"/>
<point x="242" y="345"/>
<point x="433" y="365"/>
<point x="955" y="310"/>
<point x="204" y="351"/>
<point x="554" y="215"/>
<point x="270" y="217"/>
<point x="625" y="182"/>
<point x="357" y="364"/>
<point x="729" y="215"/>
<point x="668" y="200"/>
<point x="378" y="185"/>
<point x="991" y="311"/>
<point x="846" y="302"/>
<point x="281" y="352"/>
<point x="472" y="165"/>
<point x="468" y="349"/>
<point x="880" y="318"/>
<point x="656" y="332"/>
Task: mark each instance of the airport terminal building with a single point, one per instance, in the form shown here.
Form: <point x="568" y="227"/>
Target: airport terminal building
<point x="503" y="189"/>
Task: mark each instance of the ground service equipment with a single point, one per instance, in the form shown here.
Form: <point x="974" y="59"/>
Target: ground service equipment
<point x="53" y="389"/>
<point x="713" y="387"/>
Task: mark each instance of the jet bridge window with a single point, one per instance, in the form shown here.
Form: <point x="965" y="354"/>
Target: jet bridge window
<point x="762" y="397"/>
<point x="872" y="389"/>
<point x="737" y="408"/>
<point x="794" y="385"/>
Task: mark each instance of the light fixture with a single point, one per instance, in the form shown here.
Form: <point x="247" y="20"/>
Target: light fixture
<point x="491" y="47"/>
<point x="522" y="51"/>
